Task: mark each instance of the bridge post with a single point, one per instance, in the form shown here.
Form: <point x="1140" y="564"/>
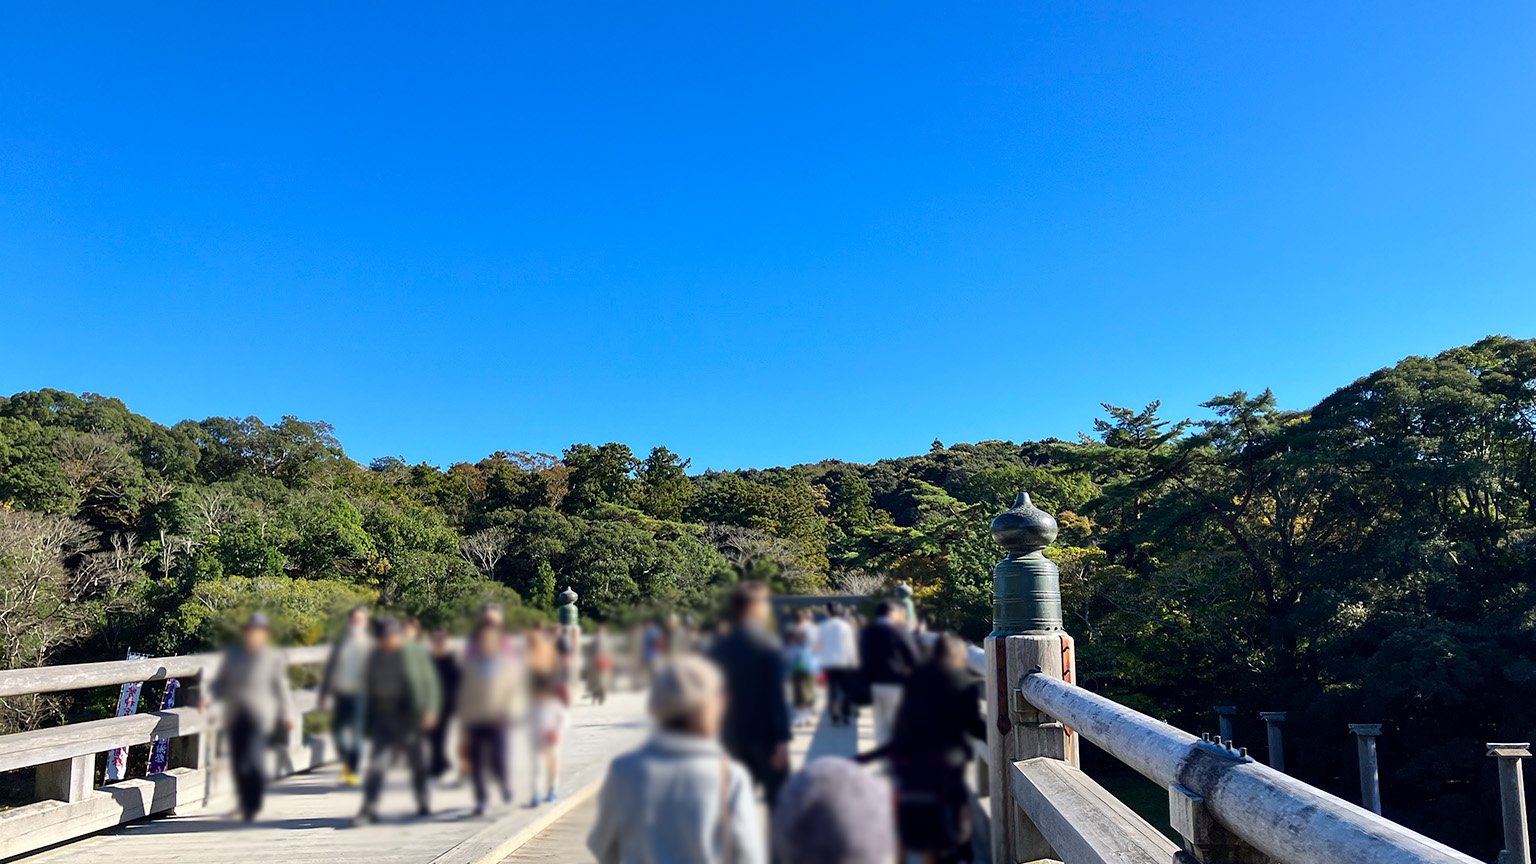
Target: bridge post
<point x="1370" y="778"/>
<point x="566" y="612"/>
<point x="1205" y="839"/>
<point x="186" y="751"/>
<point x="1272" y="721"/>
<point x="570" y="622"/>
<point x="1225" y="725"/>
<point x="1027" y="635"/>
<point x="68" y="780"/>
<point x="1517" y="837"/>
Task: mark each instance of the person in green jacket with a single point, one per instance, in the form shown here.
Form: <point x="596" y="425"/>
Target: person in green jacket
<point x="403" y="703"/>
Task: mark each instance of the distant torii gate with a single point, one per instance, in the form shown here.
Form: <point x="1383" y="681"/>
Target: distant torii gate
<point x="783" y="603"/>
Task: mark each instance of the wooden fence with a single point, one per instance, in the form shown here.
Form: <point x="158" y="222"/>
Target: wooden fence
<point x="67" y="802"/>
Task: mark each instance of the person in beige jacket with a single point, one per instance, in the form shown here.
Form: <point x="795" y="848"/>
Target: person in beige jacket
<point x="490" y="693"/>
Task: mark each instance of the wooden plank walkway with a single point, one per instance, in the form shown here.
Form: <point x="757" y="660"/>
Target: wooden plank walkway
<point x="565" y="841"/>
<point x="307" y="818"/>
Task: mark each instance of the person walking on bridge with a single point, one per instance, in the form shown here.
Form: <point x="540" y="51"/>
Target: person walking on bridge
<point x="403" y="702"/>
<point x="547" y="716"/>
<point x="449" y="676"/>
<point x="507" y="647"/>
<point x="341" y="689"/>
<point x="940" y="714"/>
<point x="679" y="799"/>
<point x="488" y="700"/>
<point x="756" y="729"/>
<point x="838" y="650"/>
<point x="889" y="654"/>
<point x="599" y="665"/>
<point x="252" y="682"/>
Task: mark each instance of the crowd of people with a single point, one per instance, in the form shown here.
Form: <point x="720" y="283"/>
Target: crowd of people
<point x="724" y="700"/>
<point x="725" y="707"/>
<point x="396" y="696"/>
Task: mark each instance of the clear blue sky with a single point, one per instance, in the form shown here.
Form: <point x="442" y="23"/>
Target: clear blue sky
<point x="757" y="233"/>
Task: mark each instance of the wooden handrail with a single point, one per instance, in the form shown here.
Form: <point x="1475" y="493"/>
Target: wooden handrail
<point x="81" y="676"/>
<point x="1275" y="814"/>
<point x="1083" y="821"/>
<point x="42" y="746"/>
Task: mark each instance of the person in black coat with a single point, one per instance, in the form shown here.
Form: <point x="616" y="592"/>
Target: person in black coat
<point x="939" y="715"/>
<point x="887" y="655"/>
<point x="446" y="661"/>
<point x="756" y="730"/>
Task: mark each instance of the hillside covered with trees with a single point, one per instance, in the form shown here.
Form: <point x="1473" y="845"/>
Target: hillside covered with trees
<point x="1370" y="558"/>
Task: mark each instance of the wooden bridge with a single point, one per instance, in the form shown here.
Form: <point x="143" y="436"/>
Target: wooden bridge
<point x="1227" y="807"/>
<point x="1033" y="802"/>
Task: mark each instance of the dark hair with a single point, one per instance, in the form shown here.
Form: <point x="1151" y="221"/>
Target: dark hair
<point x="946" y="647"/>
<point x="884" y="608"/>
<point x="683" y="724"/>
<point x="745" y="595"/>
<point x="833" y="610"/>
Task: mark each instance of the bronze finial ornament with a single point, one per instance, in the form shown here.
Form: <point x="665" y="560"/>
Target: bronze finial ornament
<point x="567" y="610"/>
<point x="1026" y="586"/>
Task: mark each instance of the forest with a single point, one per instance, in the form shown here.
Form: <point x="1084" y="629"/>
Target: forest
<point x="1367" y="559"/>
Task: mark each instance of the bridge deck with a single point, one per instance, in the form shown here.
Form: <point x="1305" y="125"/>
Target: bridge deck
<point x="307" y="818"/>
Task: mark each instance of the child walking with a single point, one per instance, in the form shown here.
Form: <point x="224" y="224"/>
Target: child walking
<point x="801" y="661"/>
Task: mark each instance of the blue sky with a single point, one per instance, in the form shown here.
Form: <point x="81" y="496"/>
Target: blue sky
<point x="756" y="233"/>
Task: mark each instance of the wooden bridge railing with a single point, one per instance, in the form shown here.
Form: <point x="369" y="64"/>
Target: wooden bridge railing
<point x="1228" y="808"/>
<point x="68" y="803"/>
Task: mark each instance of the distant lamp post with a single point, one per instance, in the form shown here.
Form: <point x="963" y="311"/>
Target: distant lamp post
<point x="1026" y="586"/>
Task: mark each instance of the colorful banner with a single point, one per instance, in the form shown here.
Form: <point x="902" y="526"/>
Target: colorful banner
<point x="160" y="748"/>
<point x="127" y="703"/>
